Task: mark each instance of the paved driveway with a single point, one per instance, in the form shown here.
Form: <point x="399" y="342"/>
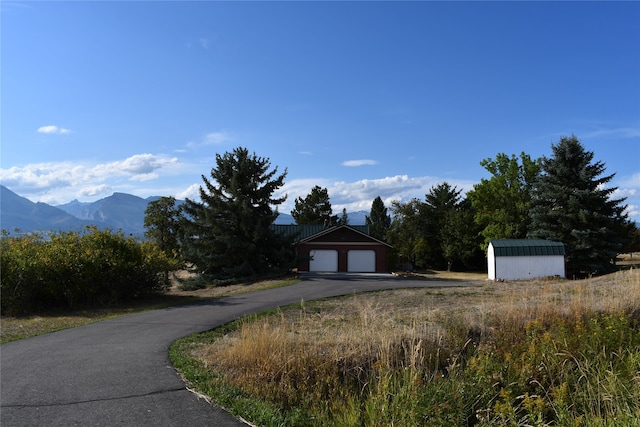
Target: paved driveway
<point x="117" y="372"/>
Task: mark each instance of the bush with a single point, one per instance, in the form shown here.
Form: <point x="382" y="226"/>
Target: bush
<point x="67" y="269"/>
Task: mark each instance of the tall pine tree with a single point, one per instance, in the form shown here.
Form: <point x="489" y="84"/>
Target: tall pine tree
<point x="441" y="203"/>
<point x="228" y="234"/>
<point x="378" y="220"/>
<point x="572" y="205"/>
<point x="315" y="208"/>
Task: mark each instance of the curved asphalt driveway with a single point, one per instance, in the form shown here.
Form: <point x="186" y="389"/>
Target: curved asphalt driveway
<point x="117" y="372"/>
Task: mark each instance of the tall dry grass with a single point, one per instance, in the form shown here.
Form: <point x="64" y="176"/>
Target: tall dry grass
<point x="519" y="353"/>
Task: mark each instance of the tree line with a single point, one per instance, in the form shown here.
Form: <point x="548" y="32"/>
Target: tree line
<point x="228" y="233"/>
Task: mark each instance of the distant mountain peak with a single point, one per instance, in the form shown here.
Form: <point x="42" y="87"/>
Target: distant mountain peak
<point x="120" y="211"/>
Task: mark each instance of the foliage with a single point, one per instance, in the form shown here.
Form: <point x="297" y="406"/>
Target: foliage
<point x="315" y="208"/>
<point x="406" y="231"/>
<point x="502" y="202"/>
<point x="344" y="218"/>
<point x="162" y="222"/>
<point x="228" y="234"/>
<point x="69" y="269"/>
<point x="378" y="220"/>
<point x="633" y="244"/>
<point x="572" y="205"/>
<point x="441" y="207"/>
<point x="460" y="241"/>
<point x="438" y="232"/>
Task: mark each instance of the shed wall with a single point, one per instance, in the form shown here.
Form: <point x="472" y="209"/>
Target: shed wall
<point x="526" y="267"/>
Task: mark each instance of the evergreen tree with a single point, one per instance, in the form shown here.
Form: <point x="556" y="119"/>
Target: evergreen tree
<point x="502" y="202"/>
<point x="378" y="220"/>
<point x="315" y="208"/>
<point x="571" y="204"/>
<point x="344" y="219"/>
<point x="228" y="234"/>
<point x="441" y="203"/>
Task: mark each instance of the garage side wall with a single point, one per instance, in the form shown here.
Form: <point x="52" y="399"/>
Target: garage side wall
<point x="527" y="267"/>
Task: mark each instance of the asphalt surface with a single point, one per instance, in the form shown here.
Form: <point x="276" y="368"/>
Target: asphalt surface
<point x="117" y="372"/>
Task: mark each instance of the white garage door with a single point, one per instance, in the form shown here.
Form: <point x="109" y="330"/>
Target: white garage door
<point x="361" y="261"/>
<point x="323" y="260"/>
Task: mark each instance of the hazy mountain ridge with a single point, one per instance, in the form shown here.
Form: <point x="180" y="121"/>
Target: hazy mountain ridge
<point x="120" y="211"/>
<point x="19" y="213"/>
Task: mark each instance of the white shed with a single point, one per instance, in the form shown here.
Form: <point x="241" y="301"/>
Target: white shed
<point x="522" y="259"/>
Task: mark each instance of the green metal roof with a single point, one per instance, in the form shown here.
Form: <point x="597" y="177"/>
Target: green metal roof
<point x="302" y="232"/>
<point x="526" y="247"/>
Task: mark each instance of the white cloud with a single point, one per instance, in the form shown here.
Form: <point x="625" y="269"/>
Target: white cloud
<point x="633" y="211"/>
<point x="212" y="138"/>
<point x="71" y="180"/>
<point x="143" y="164"/>
<point x="629" y="188"/>
<point x="632" y="181"/>
<point x="95" y="190"/>
<point x="192" y="192"/>
<point x="215" y="138"/>
<point x="139" y="167"/>
<point x="145" y="177"/>
<point x="621" y="132"/>
<point x="355" y="163"/>
<point x="52" y="129"/>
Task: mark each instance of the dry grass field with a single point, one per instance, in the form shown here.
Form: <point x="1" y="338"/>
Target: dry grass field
<point x="544" y="352"/>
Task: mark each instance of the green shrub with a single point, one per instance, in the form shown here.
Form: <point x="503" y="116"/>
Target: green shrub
<point x="563" y="371"/>
<point x="67" y="269"/>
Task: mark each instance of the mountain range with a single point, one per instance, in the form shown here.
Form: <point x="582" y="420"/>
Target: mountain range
<point x="120" y="211"/>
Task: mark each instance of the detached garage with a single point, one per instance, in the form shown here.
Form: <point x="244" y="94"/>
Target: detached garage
<point x="522" y="259"/>
<point x="342" y="249"/>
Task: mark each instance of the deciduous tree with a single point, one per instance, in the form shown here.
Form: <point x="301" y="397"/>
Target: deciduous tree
<point x="162" y="221"/>
<point x="502" y="202"/>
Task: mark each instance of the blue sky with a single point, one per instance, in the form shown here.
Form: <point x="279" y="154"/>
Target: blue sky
<point x="364" y="98"/>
